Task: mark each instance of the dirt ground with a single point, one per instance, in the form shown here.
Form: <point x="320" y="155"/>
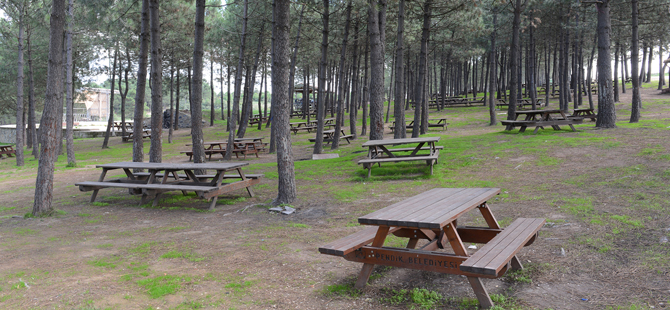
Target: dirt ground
<point x="604" y="193"/>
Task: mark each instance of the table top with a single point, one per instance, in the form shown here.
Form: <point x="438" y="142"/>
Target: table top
<point x="174" y="166"/>
<point x="433" y="209"/>
<point x="538" y="111"/>
<point x="400" y="141"/>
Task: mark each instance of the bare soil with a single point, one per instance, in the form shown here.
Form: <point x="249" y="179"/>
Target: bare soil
<point x="240" y="256"/>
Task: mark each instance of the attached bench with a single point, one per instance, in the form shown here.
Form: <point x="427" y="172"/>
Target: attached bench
<point x="207" y="152"/>
<point x="353" y="242"/>
<point x="147" y="190"/>
<point x="431" y="160"/>
<point x="144" y="175"/>
<point x="327" y="140"/>
<point x="498" y="253"/>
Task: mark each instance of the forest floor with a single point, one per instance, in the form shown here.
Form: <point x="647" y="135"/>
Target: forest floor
<point x="604" y="193"/>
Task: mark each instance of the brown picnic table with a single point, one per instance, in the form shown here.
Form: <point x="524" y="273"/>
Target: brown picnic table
<point x="436" y="122"/>
<point x="146" y="133"/>
<point x="584" y="113"/>
<point x="541" y="119"/>
<point x="379" y="151"/>
<point x="244" y="146"/>
<point x="155" y="182"/>
<point x="430" y="223"/>
<point x="329" y="136"/>
<point x="7" y="150"/>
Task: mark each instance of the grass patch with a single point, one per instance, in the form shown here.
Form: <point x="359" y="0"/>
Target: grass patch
<point x="25" y="231"/>
<point x="343" y="290"/>
<point x="163" y="285"/>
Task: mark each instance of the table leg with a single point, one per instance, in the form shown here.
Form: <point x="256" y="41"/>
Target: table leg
<point x="493" y="223"/>
<point x="100" y="179"/>
<point x="249" y="189"/>
<point x="152" y="178"/>
<point x="217" y="182"/>
<point x="475" y="282"/>
<point x="364" y="275"/>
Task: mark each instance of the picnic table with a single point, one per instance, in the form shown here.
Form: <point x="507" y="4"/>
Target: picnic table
<point x="244" y="146"/>
<point x="541" y="119"/>
<point x="432" y="216"/>
<point x="118" y="126"/>
<point x="7" y="150"/>
<point x="378" y="152"/>
<point x="152" y="184"/>
<point x="584" y="113"/>
<point x="329" y="136"/>
<point x="437" y="122"/>
<point x="146" y="133"/>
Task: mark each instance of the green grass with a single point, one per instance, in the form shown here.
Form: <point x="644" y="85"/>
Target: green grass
<point x="163" y="285"/>
<point x="25" y="231"/>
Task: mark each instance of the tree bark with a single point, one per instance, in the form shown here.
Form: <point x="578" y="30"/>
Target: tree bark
<point x="138" y="119"/>
<point x="616" y="72"/>
<point x="20" y="126"/>
<point x="651" y="57"/>
<point x="211" y="91"/>
<point x="69" y="105"/>
<point x="634" y="50"/>
<point x="156" y="149"/>
<point x="286" y="171"/>
<point x="124" y="92"/>
<point x="238" y="84"/>
<point x="661" y="73"/>
<point x="31" y="101"/>
<point x="376" y="70"/>
<point x="366" y="94"/>
<point x="250" y="86"/>
<point x="49" y="125"/>
<point x="339" y="120"/>
<point x="171" y="127"/>
<point x="492" y="63"/>
<point x="514" y="61"/>
<point x="110" y="119"/>
<point x="606" y="111"/>
<point x="293" y="60"/>
<point x="400" y="132"/>
<point x="420" y="106"/>
<point x="353" y="107"/>
<point x="197" y="142"/>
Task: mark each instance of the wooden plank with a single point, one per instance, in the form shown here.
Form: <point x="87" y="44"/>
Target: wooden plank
<point x="397" y="159"/>
<point x="174" y="166"/>
<point x="91" y="185"/>
<point x="495" y="255"/>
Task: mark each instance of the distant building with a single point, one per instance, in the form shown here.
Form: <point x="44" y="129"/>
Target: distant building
<point x="96" y="102"/>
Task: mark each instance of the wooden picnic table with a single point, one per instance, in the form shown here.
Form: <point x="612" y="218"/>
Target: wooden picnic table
<point x="432" y="216"/>
<point x="118" y="126"/>
<point x="244" y="146"/>
<point x="584" y="113"/>
<point x="329" y="136"/>
<point x="146" y="133"/>
<point x="541" y="119"/>
<point x="433" y="122"/>
<point x="7" y="150"/>
<point x="379" y="152"/>
<point x="155" y="182"/>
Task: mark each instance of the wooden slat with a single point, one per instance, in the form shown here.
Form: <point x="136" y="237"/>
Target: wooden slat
<point x="399" y="141"/>
<point x="143" y="186"/>
<point x="348" y="244"/>
<point x="495" y="255"/>
<point x="412" y="204"/>
<point x="174" y="166"/>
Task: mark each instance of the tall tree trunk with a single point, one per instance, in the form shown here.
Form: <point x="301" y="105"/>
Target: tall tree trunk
<point x="124" y="92"/>
<point x="286" y="192"/>
<point x="171" y="127"/>
<point x="624" y="69"/>
<point x="197" y="142"/>
<point x="376" y="70"/>
<point x="293" y="60"/>
<point x="20" y="126"/>
<point x="211" y="91"/>
<point x="420" y="100"/>
<point x="138" y="119"/>
<point x="644" y="59"/>
<point x="616" y="71"/>
<point x="588" y="73"/>
<point x="69" y="105"/>
<point x="175" y="123"/>
<point x="634" y="50"/>
<point x="651" y="57"/>
<point x="110" y="119"/>
<point x="661" y="73"/>
<point x="156" y="149"/>
<point x="399" y="113"/>
<point x="366" y="93"/>
<point x="531" y="68"/>
<point x="250" y="86"/>
<point x="238" y="83"/>
<point x="492" y="64"/>
<point x="353" y="108"/>
<point x="339" y="120"/>
<point x="49" y="124"/>
<point x="606" y="111"/>
<point x="223" y="110"/>
<point x="514" y="61"/>
<point x="31" y="101"/>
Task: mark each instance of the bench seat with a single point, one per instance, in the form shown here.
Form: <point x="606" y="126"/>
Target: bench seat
<point x="207" y="152"/>
<point x="497" y="253"/>
<point x="303" y="128"/>
<point x="92" y="185"/>
<point x="409" y="149"/>
<point x="355" y="241"/>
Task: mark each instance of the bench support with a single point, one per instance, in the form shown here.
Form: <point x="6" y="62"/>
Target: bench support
<point x="363" y="277"/>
